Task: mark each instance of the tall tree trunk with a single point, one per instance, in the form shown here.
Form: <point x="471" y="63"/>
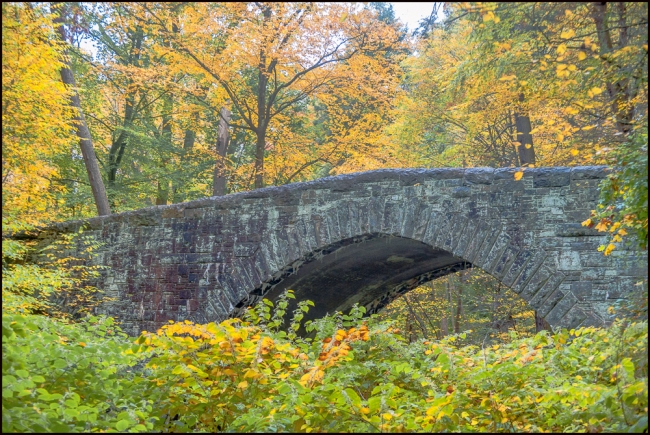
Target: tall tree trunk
<point x="166" y="139"/>
<point x="423" y="328"/>
<point x="188" y="145"/>
<point x="259" y="159"/>
<point x="219" y="179"/>
<point x="444" y="327"/>
<point x="452" y="325"/>
<point x="459" y="309"/>
<point x="262" y="121"/>
<point x="83" y="133"/>
<point x="119" y="143"/>
<point x="541" y="324"/>
<point x="619" y="93"/>
<point x="525" y="148"/>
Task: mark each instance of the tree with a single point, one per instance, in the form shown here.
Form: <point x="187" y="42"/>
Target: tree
<point x="266" y="58"/>
<point x="85" y="140"/>
<point x="36" y="114"/>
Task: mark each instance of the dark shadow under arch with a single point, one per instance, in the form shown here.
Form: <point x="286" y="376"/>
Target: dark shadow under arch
<point x="371" y="270"/>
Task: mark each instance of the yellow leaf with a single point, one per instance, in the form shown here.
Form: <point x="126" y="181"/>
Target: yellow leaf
<point x="586" y="223"/>
<point x="602" y="226"/>
<point x="568" y="34"/>
<point x="82" y="344"/>
<point x="343" y="17"/>
<point x="587" y="127"/>
<point x="568" y="13"/>
<point x="365" y="410"/>
<point x="582" y="55"/>
<point x="622" y="232"/>
<point x="489" y="16"/>
<point x="572" y="68"/>
<point x="387" y="416"/>
<point x="561" y="49"/>
<point x="242" y="385"/>
<point x="614" y="227"/>
<point x="595" y="91"/>
<point x="574" y="152"/>
<point x="251" y="374"/>
<point x="610" y="248"/>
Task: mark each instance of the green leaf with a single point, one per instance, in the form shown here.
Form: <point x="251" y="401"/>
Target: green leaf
<point x="122" y="425"/>
<point x="374" y="403"/>
<point x="354" y="397"/>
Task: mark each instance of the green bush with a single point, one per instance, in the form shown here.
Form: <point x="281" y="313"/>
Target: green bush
<point x="354" y="375"/>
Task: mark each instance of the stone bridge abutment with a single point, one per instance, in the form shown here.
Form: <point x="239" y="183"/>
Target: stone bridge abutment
<point x="364" y="238"/>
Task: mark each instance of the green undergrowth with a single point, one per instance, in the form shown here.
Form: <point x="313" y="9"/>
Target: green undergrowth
<point x="355" y="375"/>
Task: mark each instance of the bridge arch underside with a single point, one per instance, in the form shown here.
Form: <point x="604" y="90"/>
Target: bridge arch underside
<point x="370" y="270"/>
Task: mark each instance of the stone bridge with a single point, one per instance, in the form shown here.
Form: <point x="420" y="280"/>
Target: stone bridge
<point x="364" y="238"/>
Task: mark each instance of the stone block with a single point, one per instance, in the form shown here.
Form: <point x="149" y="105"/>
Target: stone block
<point x="376" y="214"/>
<point x="561" y="308"/>
<point x="528" y="270"/>
<point x="572" y="319"/>
<point x="447" y="223"/>
<point x="569" y="261"/>
<point x="482" y="230"/>
<point x="465" y="237"/>
<point x="537" y="281"/>
<point x="453" y="236"/>
<point x="486" y="246"/>
<point x="501" y="243"/>
<point x="433" y="226"/>
<point x="479" y="175"/>
<point x="551" y="177"/>
<point x="461" y="192"/>
<point x="548" y="304"/>
<point x="516" y="267"/>
<point x="501" y="265"/>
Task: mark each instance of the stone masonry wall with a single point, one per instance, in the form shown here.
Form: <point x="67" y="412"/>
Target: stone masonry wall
<point x="206" y="259"/>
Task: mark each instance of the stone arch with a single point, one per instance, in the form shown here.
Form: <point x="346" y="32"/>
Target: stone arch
<point x="205" y="259"/>
<point x="454" y="242"/>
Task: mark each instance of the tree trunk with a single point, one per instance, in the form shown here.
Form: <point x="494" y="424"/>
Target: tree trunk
<point x="525" y="148"/>
<point x="166" y="139"/>
<point x="619" y="93"/>
<point x="83" y="133"/>
<point x="188" y="145"/>
<point x="425" y="334"/>
<point x="459" y="309"/>
<point x="219" y="179"/>
<point x="452" y="326"/>
<point x="162" y="192"/>
<point x="444" y="327"/>
<point x="541" y="324"/>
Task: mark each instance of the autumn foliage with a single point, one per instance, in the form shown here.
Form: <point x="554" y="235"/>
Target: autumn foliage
<point x="314" y="89"/>
<point x="353" y="375"/>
